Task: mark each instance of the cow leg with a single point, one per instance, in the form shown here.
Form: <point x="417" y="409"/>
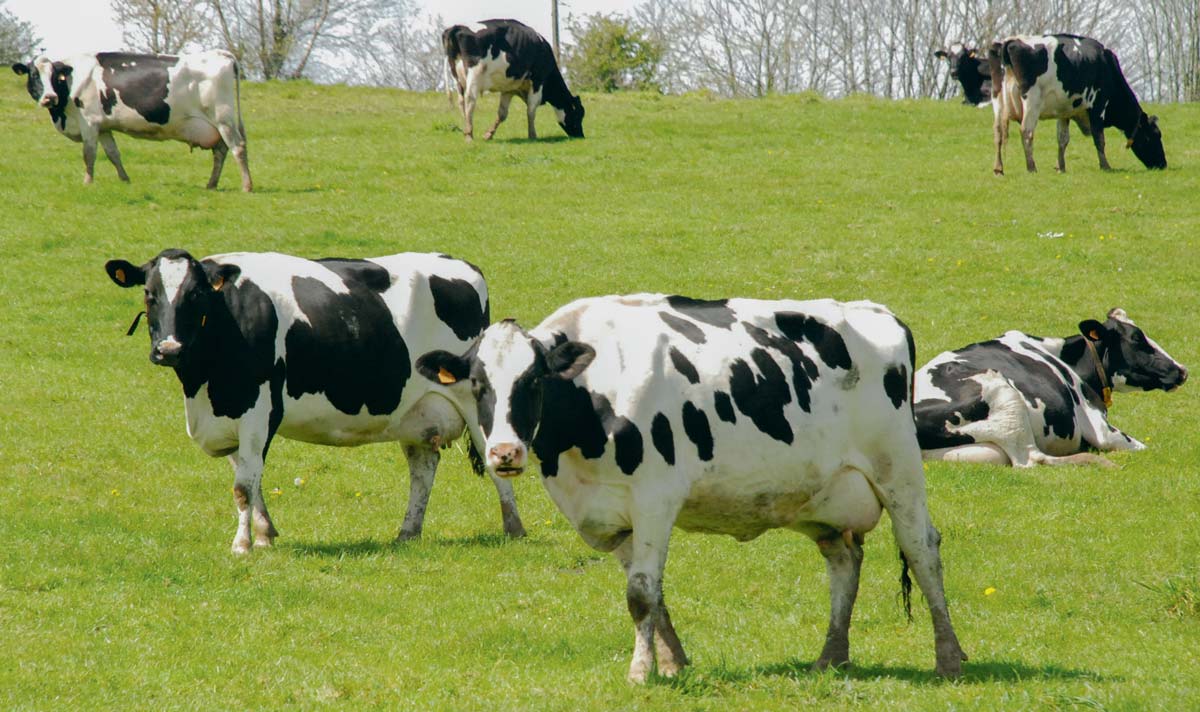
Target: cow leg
<point x="1028" y="126"/>
<point x="501" y="115"/>
<point x="667" y="648"/>
<point x="1064" y="137"/>
<point x="252" y="508"/>
<point x="89" y="156"/>
<point x="422" y="467"/>
<point x="647" y="557"/>
<point x="903" y="495"/>
<point x="1000" y="138"/>
<point x="508" y="508"/>
<point x="235" y="141"/>
<point x="843" y="561"/>
<point x="219" y="151"/>
<point x="1098" y="139"/>
<point x="531" y="106"/>
<point x="114" y="156"/>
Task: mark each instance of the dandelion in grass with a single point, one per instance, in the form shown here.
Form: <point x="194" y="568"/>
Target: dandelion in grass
<point x="989" y="590"/>
<point x="115" y="493"/>
<point x="299" y="481"/>
<point x="276" y="492"/>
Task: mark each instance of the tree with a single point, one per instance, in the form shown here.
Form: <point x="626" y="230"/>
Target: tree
<point x="163" y="26"/>
<point x="17" y="41"/>
<point x="289" y="39"/>
<point x="611" y="53"/>
<point x="400" y="49"/>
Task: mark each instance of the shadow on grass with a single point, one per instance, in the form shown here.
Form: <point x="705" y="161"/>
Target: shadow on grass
<point x="995" y="671"/>
<point x="372" y="547"/>
<point x="539" y="139"/>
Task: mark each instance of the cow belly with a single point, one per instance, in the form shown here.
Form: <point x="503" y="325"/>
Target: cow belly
<point x="744" y="508"/>
<point x="312" y="419"/>
<point x="200" y="133"/>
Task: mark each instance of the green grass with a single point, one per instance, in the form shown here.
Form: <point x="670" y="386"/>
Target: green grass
<point x="117" y="588"/>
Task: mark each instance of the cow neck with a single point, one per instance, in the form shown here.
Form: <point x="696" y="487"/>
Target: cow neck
<point x="1123" y="109"/>
<point x="1086" y="359"/>
<point x="555" y="91"/>
<point x="216" y="346"/>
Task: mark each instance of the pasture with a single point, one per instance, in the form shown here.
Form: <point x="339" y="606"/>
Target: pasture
<point x="1068" y="587"/>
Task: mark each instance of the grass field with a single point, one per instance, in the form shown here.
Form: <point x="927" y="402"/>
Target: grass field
<point x="117" y="588"/>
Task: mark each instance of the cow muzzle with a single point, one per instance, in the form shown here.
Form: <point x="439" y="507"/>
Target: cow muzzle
<point x="166" y="352"/>
<point x="48" y="100"/>
<point x="507" y="459"/>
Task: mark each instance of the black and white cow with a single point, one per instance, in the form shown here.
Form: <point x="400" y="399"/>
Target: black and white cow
<point x="1023" y="400"/>
<point x="737" y="416"/>
<point x="508" y="57"/>
<point x="971" y="71"/>
<point x="1069" y="78"/>
<point x="320" y="351"/>
<point x="193" y="98"/>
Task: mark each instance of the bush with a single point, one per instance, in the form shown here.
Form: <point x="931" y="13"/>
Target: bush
<point x="611" y="53"/>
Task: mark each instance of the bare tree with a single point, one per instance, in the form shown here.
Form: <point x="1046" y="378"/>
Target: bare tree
<point x="17" y="40"/>
<point x="163" y="26"/>
<point x="400" y="48"/>
<point x="287" y="39"/>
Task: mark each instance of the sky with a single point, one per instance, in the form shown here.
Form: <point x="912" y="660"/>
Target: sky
<point x="71" y="26"/>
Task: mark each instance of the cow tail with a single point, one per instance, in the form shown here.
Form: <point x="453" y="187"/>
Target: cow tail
<point x="905" y="587"/>
<point x="474" y="456"/>
<point x="237" y="84"/>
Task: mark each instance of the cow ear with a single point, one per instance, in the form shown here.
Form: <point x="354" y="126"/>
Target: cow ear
<point x="444" y="367"/>
<point x="1092" y="329"/>
<point x="20" y="69"/>
<point x="1154" y="120"/>
<point x="568" y="359"/>
<point x="220" y="275"/>
<point x="125" y="274"/>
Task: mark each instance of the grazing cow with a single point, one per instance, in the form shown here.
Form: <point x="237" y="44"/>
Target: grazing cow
<point x="971" y="71"/>
<point x="193" y="98"/>
<point x="1022" y="400"/>
<point x="319" y="351"/>
<point x="511" y="58"/>
<point x="1068" y="78"/>
<point x="733" y="417"/>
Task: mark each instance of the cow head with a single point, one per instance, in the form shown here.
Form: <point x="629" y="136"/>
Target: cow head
<point x="1132" y="359"/>
<point x="571" y="118"/>
<point x="48" y="82"/>
<point x="497" y="386"/>
<point x="179" y="293"/>
<point x="970" y="70"/>
<point x="1146" y="142"/>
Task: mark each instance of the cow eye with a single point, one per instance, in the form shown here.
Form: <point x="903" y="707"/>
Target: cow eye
<point x="1138" y="337"/>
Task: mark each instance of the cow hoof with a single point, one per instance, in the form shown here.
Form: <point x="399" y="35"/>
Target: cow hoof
<point x="637" y="676"/>
<point x="824" y="663"/>
<point x="241" y="546"/>
<point x="998" y="171"/>
<point x="517" y="532"/>
<point x="264" y="543"/>
<point x="950" y="669"/>
<point x="404" y="536"/>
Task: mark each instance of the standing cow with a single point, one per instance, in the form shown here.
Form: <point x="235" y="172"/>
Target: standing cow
<point x="1023" y="400"/>
<point x="737" y="416"/>
<point x="319" y="351"/>
<point x="508" y="57"/>
<point x="1068" y="78"/>
<point x="193" y="98"/>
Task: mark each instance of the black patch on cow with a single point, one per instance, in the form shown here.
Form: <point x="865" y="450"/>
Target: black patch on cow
<point x="1076" y="103"/>
<point x="684" y="366"/>
<point x="1026" y="63"/>
<point x="724" y="407"/>
<point x="663" y="438"/>
<point x="350" y="350"/>
<point x="895" y="384"/>
<point x="140" y="81"/>
<point x="830" y="345"/>
<point x="695" y="425"/>
<point x="762" y="397"/>
<point x="526" y="402"/>
<point x="278" y="377"/>
<point x="1067" y="374"/>
<point x="456" y="302"/>
<point x="687" y="329"/>
<point x="574" y="417"/>
<point x="804" y="370"/>
<point x="234" y="353"/>
<point x="710" y="311"/>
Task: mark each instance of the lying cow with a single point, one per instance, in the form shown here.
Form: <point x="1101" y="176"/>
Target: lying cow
<point x="319" y="351"/>
<point x="193" y="98"/>
<point x="971" y="71"/>
<point x="508" y="57"/>
<point x="1068" y="78"/>
<point x="1022" y="400"/>
<point x="730" y="417"/>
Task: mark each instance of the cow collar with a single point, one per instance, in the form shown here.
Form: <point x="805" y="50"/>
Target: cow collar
<point x="1105" y="384"/>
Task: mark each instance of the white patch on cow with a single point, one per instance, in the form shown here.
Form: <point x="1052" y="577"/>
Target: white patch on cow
<point x="507" y="354"/>
<point x="491" y="74"/>
<point x="44" y="66"/>
<point x="173" y="273"/>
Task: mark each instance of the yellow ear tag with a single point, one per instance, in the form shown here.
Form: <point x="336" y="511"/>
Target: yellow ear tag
<point x="445" y="377"/>
<point x="1107" y="397"/>
<point x="1129" y="143"/>
<point x="120" y="275"/>
<point x="203" y="319"/>
<point x="1094" y="335"/>
<point x="218" y="283"/>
